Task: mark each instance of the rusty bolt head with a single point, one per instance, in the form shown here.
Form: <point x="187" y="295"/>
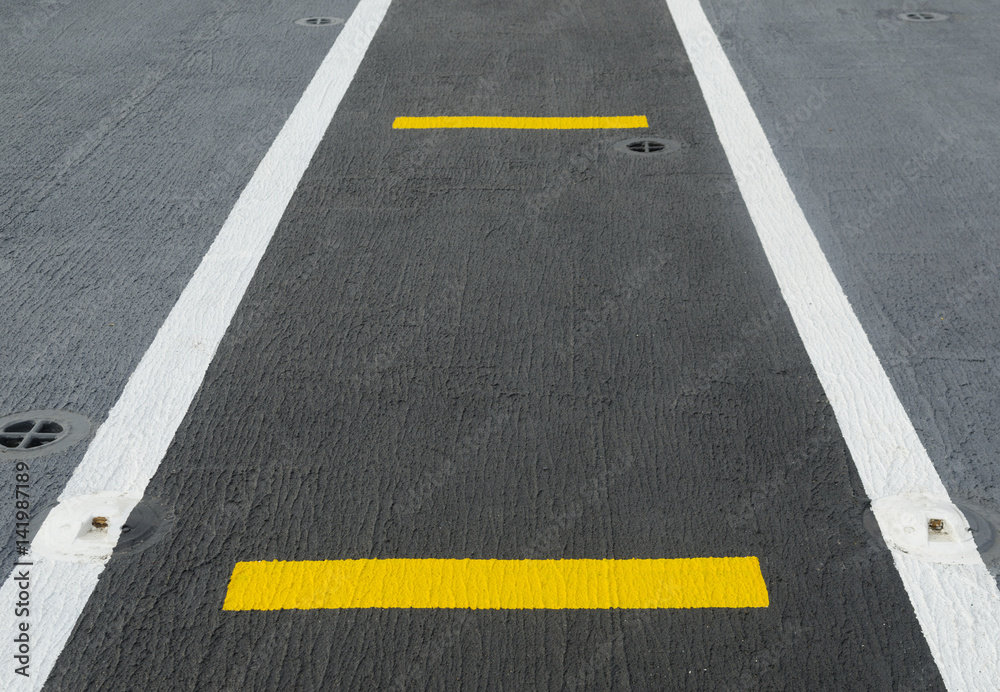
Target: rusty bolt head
<point x="99" y="522"/>
<point x="936" y="525"/>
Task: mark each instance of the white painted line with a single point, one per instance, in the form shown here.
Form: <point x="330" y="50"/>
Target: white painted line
<point x="957" y="605"/>
<point x="129" y="447"/>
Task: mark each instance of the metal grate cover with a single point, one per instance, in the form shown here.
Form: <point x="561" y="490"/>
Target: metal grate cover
<point x="647" y="146"/>
<point x="37" y="433"/>
<point x="319" y="21"/>
<point x="922" y="16"/>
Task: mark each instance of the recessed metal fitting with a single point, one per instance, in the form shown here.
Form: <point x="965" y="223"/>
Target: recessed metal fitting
<point x="146" y="524"/>
<point x="923" y="16"/>
<point x="90" y="527"/>
<point x="647" y="146"/>
<point x="319" y="21"/>
<point x="930" y="529"/>
<point x="36" y="433"/>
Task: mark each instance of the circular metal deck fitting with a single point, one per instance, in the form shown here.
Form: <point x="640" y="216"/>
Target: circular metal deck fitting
<point x="930" y="530"/>
<point x="647" y="146"/>
<point x="86" y="527"/>
<point x="922" y="16"/>
<point x="36" y="433"/>
<point x="145" y="525"/>
<point x="319" y="21"/>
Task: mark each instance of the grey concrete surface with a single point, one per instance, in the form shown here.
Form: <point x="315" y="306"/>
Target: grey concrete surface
<point x="887" y="131"/>
<point x="129" y="130"/>
<point x="508" y="344"/>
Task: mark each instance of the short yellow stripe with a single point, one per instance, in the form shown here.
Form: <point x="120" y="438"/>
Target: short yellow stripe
<point x="629" y="121"/>
<point x="722" y="582"/>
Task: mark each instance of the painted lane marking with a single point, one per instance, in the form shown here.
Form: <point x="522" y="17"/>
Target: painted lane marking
<point x="722" y="582"/>
<point x="512" y="123"/>
<point x="957" y="605"/>
<point x="122" y="458"/>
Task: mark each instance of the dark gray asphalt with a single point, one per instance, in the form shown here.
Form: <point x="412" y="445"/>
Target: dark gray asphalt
<point x="505" y="345"/>
<point x="129" y="129"/>
<point x="886" y="131"/>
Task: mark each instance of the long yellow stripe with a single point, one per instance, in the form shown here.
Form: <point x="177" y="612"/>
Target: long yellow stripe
<point x="629" y="121"/>
<point x="722" y="582"/>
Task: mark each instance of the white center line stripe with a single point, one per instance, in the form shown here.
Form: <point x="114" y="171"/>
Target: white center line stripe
<point x="123" y="456"/>
<point x="958" y="606"/>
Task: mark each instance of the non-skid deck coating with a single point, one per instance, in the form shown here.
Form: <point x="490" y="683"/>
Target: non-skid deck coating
<point x="487" y="345"/>
<point x="482" y="344"/>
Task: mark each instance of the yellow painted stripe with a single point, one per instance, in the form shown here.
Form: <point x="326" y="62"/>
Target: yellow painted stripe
<point x="721" y="582"/>
<point x="491" y="122"/>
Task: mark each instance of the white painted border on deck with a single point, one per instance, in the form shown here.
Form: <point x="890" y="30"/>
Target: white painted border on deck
<point x="958" y="606"/>
<point x="129" y="446"/>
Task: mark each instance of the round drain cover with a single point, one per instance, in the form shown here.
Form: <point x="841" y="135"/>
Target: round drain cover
<point x="36" y="433"/>
<point x="647" y="146"/>
<point x="922" y="16"/>
<point x="319" y="21"/>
